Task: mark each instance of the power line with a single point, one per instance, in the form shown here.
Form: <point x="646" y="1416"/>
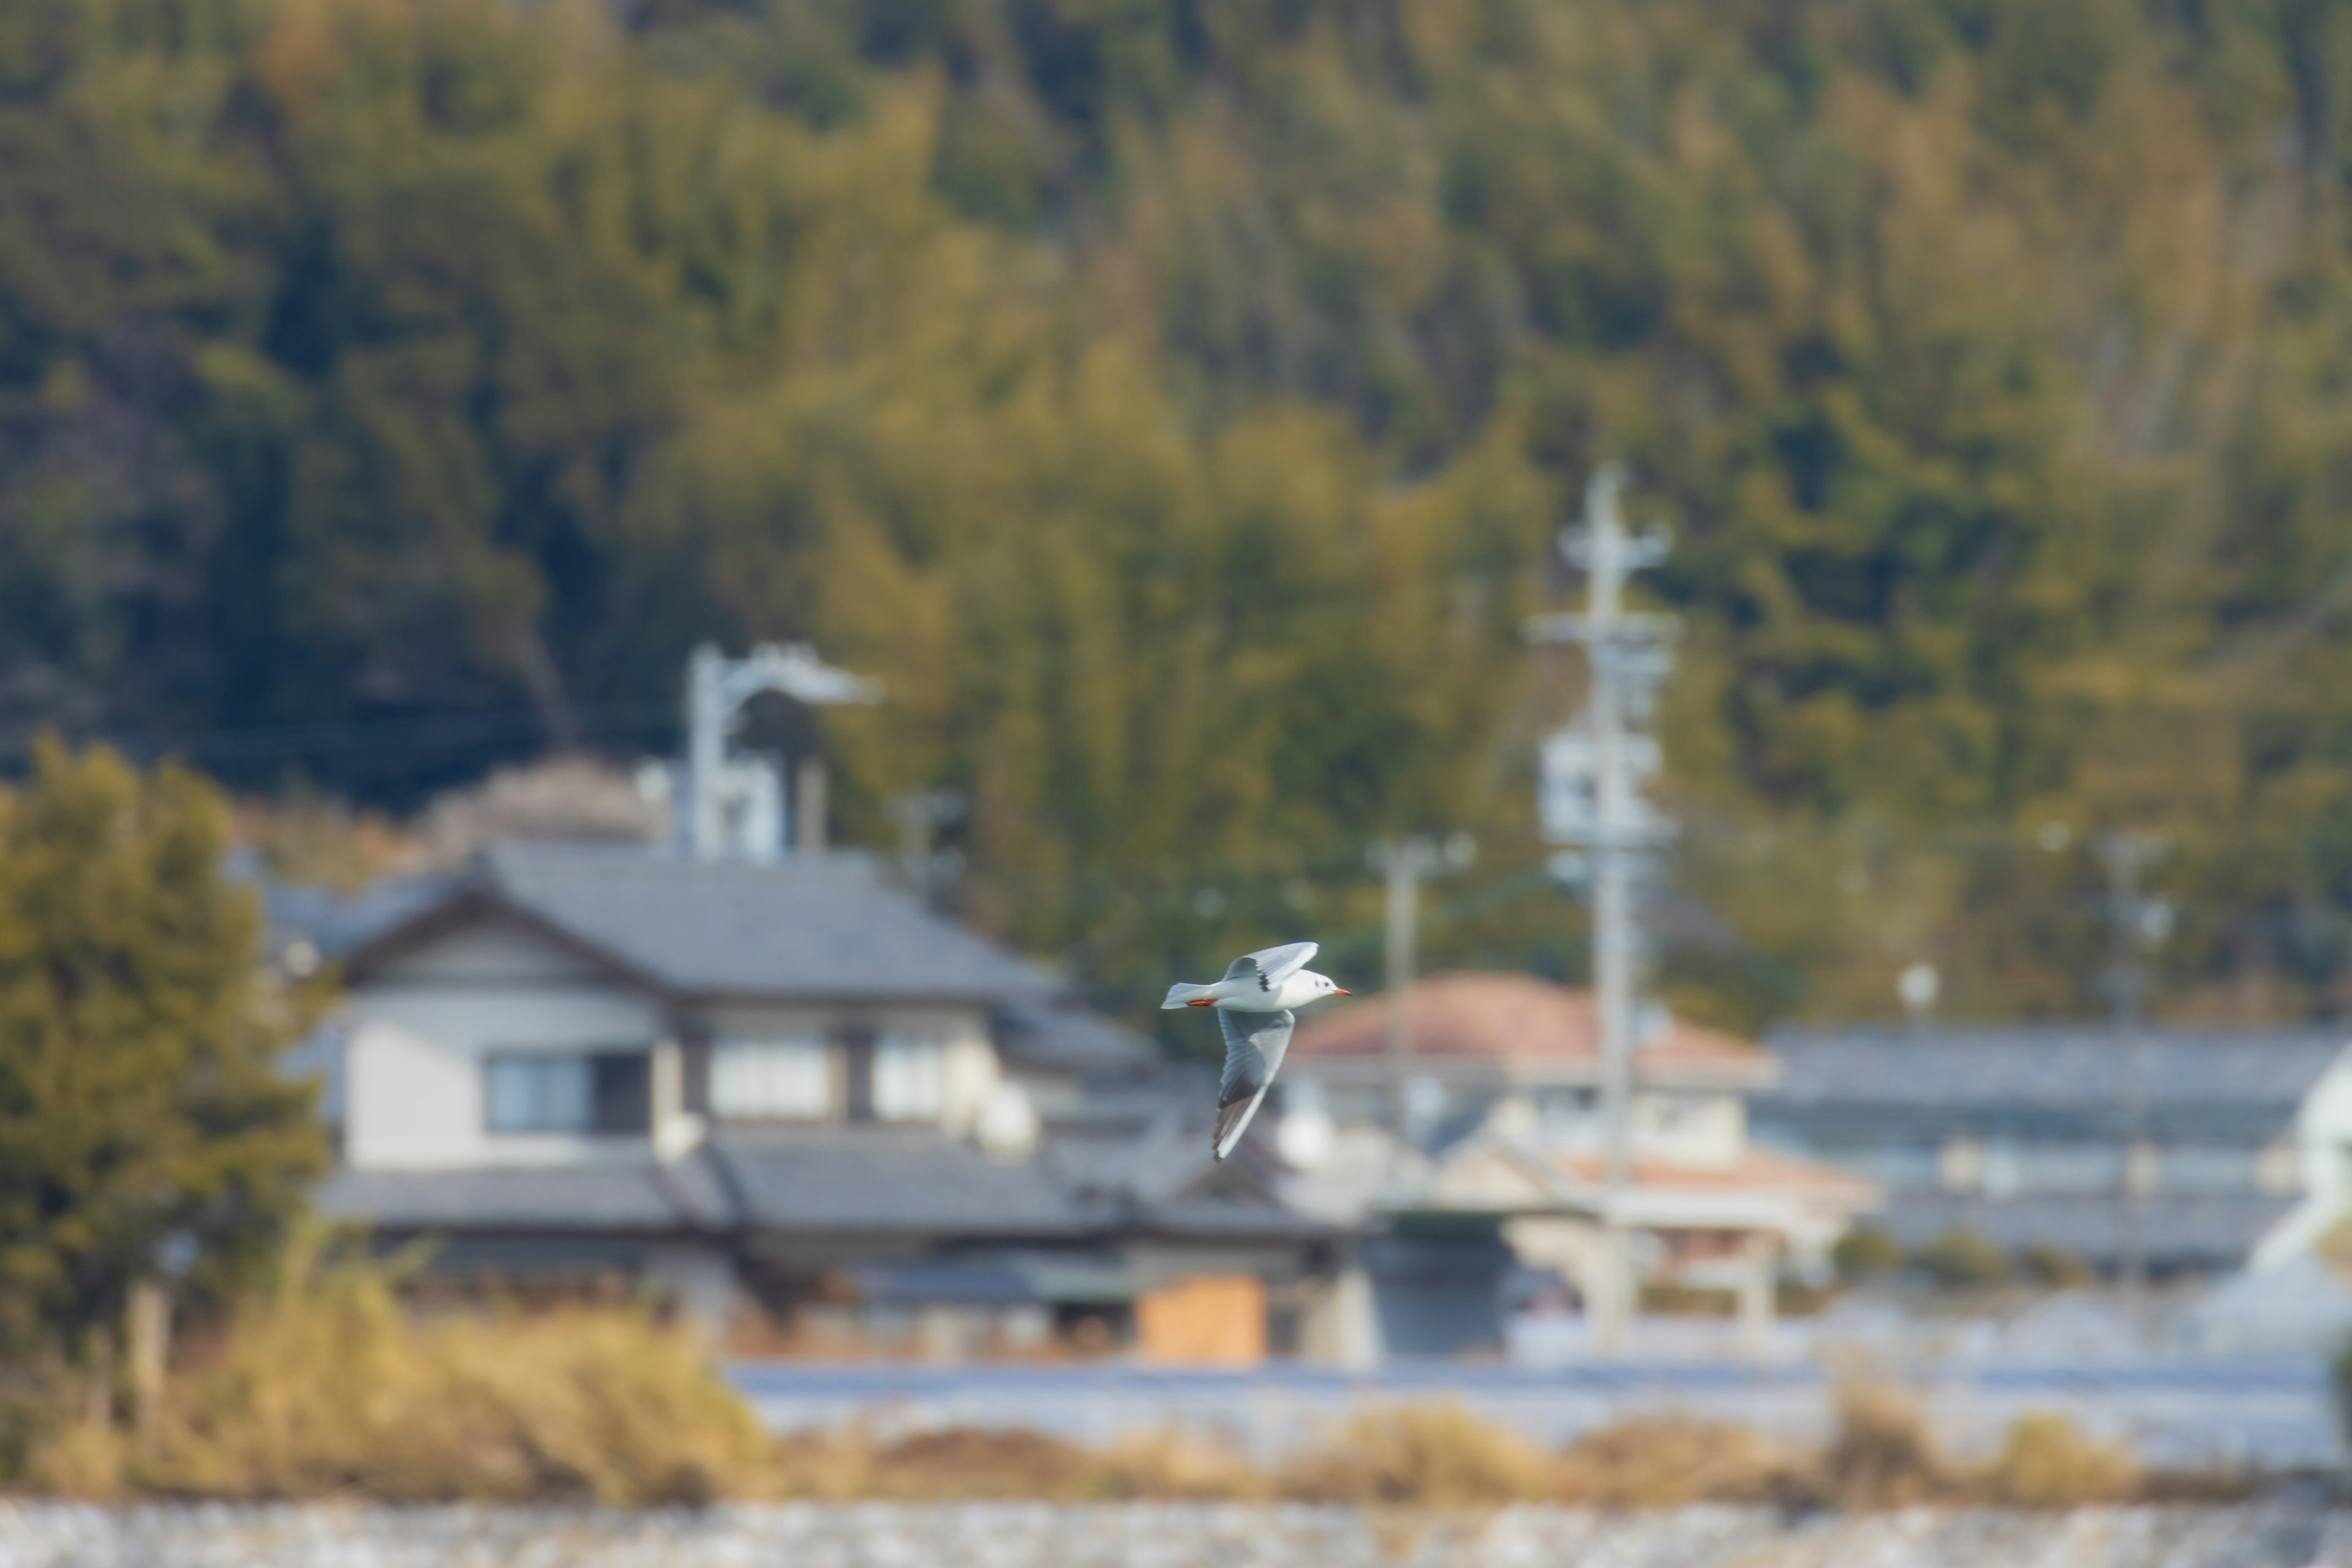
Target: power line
<point x="357" y="735"/>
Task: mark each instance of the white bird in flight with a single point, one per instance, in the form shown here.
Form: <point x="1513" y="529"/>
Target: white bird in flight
<point x="1253" y="1002"/>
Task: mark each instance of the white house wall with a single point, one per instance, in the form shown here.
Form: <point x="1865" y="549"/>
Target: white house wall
<point x="421" y="1027"/>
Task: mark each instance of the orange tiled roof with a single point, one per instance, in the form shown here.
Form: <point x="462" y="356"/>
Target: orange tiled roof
<point x="1501" y="1017"/>
<point x="1756" y="1171"/>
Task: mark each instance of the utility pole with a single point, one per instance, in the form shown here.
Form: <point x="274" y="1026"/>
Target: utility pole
<point x="717" y="688"/>
<point x="1590" y="799"/>
<point x="1403" y="862"/>
<point x="2134" y="921"/>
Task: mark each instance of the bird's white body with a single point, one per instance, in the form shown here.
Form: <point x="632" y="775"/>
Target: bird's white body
<point x="1294" y="989"/>
<point x="1261" y="988"/>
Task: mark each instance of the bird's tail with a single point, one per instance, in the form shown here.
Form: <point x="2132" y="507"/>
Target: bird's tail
<point x="1182" y="995"/>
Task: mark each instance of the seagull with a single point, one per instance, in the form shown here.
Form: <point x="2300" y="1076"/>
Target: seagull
<point x="1253" y="1002"/>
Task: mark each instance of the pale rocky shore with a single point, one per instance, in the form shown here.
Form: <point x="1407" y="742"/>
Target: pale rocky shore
<point x="1157" y="1535"/>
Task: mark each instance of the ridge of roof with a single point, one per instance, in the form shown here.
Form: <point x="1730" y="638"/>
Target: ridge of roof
<point x="825" y="927"/>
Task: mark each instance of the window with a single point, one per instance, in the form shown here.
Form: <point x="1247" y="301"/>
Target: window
<point x="565" y="1091"/>
<point x="2081" y="1169"/>
<point x="1899" y="1166"/>
<point x="790" y="1078"/>
<point x="2206" y="1168"/>
<point x="907" y="1080"/>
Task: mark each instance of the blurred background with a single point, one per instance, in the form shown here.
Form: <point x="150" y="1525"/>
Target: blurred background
<point x="635" y="638"/>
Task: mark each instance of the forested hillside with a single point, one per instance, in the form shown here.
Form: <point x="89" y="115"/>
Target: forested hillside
<point x="1173" y="400"/>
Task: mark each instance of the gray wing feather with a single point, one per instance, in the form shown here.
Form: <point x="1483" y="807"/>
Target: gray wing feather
<point x="1271" y="966"/>
<point x="1255" y="1044"/>
<point x="1279" y="963"/>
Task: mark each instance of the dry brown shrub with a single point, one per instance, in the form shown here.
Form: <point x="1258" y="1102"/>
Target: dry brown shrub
<point x="86" y="1461"/>
<point x="1177" y="1466"/>
<point x="1881" y="1454"/>
<point x="325" y="1387"/>
<point x="1430" y="1455"/>
<point x="824" y="1467"/>
<point x="2047" y="1460"/>
<point x="1669" y="1461"/>
<point x="962" y="1462"/>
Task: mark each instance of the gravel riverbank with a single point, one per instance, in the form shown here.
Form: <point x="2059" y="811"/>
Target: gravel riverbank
<point x="1020" y="1535"/>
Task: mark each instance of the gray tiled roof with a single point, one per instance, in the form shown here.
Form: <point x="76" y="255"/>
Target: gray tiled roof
<point x="336" y="922"/>
<point x="879" y="1181"/>
<point x="1060" y="1033"/>
<point x="827" y="927"/>
<point x="2218" y="1230"/>
<point x="621" y="1196"/>
<point x="2043" y="1067"/>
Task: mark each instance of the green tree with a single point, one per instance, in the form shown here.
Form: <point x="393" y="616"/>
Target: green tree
<point x="1961" y="1260"/>
<point x="140" y="1094"/>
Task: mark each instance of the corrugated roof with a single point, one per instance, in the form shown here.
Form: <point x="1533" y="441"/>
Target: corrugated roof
<point x="1501" y="1017"/>
<point x="2045" y="1068"/>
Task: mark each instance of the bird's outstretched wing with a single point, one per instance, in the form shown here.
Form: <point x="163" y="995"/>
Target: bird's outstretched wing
<point x="1271" y="966"/>
<point x="1254" y="1043"/>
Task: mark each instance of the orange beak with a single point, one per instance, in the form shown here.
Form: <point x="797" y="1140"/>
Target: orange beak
<point x="1341" y="991"/>
<point x="1200" y="1001"/>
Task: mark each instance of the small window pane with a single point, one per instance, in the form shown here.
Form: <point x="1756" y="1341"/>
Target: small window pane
<point x="770" y="1078"/>
<point x="513" y="1104"/>
<point x="538" y="1092"/>
<point x="621" y="1089"/>
<point x="907" y="1080"/>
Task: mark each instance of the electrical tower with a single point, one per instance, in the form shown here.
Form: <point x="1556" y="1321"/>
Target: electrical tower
<point x="731" y="806"/>
<point x="1590" y="801"/>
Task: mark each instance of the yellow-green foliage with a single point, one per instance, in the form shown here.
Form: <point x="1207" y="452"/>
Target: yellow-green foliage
<point x="1175" y="403"/>
<point x="2046" y="1461"/>
<point x="1433" y="1456"/>
<point x="139" y="1089"/>
<point x="325" y="1388"/>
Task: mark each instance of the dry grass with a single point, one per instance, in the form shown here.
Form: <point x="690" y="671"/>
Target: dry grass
<point x="1178" y="1466"/>
<point x="2048" y="1461"/>
<point x="1883" y="1454"/>
<point x="960" y="1462"/>
<point x="324" y="1388"/>
<point x="1430" y="1455"/>
<point x="1668" y="1461"/>
<point x="327" y="1388"/>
